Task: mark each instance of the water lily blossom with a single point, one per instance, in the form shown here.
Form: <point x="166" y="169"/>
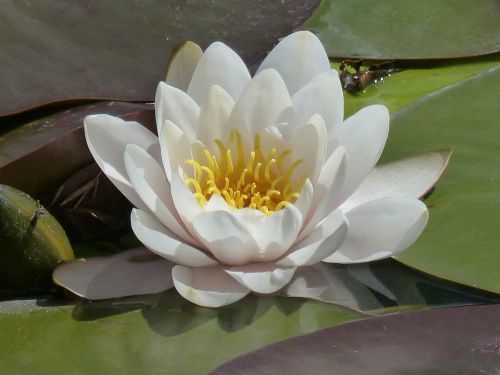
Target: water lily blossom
<point x="249" y="178"/>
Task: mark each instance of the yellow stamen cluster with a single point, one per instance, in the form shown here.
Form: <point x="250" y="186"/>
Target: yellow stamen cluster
<point x="257" y="182"/>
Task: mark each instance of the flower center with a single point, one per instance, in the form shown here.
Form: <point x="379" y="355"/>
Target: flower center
<point x="254" y="180"/>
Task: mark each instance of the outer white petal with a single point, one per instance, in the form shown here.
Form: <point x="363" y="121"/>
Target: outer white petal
<point x="220" y="65"/>
<point x="150" y="182"/>
<point x="323" y="96"/>
<point x="225" y="237"/>
<point x="261" y="277"/>
<point x="175" y="105"/>
<point x="182" y="65"/>
<point x="217" y="203"/>
<point x="381" y="228"/>
<point x="262" y="101"/>
<point x="323" y="241"/>
<point x="132" y="272"/>
<point x="298" y="58"/>
<point x="412" y="178"/>
<point x="363" y="135"/>
<point x="214" y="116"/>
<point x="209" y="286"/>
<point x="309" y="144"/>
<point x="305" y="200"/>
<point x="327" y="187"/>
<point x="175" y="147"/>
<point x="106" y="138"/>
<point x="166" y="244"/>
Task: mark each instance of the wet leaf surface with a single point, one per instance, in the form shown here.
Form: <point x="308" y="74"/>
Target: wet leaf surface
<point x="429" y="29"/>
<point x="67" y="51"/>
<point x="460" y="242"/>
<point x="461" y="340"/>
<point x="156" y="335"/>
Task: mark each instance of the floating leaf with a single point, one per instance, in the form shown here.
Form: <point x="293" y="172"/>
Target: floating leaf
<point x="446" y="341"/>
<point x="66" y="51"/>
<point x="430" y="29"/>
<point x="460" y="242"/>
<point x="164" y="335"/>
<point x="32" y="242"/>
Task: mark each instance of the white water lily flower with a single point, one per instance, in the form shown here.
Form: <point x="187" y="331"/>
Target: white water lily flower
<point x="249" y="178"/>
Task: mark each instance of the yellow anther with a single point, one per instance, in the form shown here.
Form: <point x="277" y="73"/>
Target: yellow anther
<point x="230" y="166"/>
<point x="196" y="167"/>
<point x="281" y="205"/>
<point x="209" y="172"/>
<point x="196" y="185"/>
<point x="251" y="161"/>
<point x="272" y="192"/>
<point x="281" y="159"/>
<point x="256" y="172"/>
<point x="267" y="170"/>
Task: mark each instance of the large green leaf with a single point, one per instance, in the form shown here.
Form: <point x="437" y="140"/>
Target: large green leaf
<point x="164" y="334"/>
<point x="399" y="29"/>
<point x="55" y="51"/>
<point x="461" y="240"/>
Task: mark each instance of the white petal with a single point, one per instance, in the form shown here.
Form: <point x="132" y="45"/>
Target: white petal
<point x="262" y="101"/>
<point x="208" y="287"/>
<point x="323" y="241"/>
<point x="298" y="58"/>
<point x="106" y="138"/>
<point x="412" y="178"/>
<point x="327" y="187"/>
<point x="165" y="243"/>
<point x="226" y="237"/>
<point x="381" y="228"/>
<point x="363" y="135"/>
<point x="175" y="147"/>
<point x="220" y="65"/>
<point x="305" y="200"/>
<point x="217" y="203"/>
<point x="277" y="233"/>
<point x="175" y="105"/>
<point x="132" y="272"/>
<point x="150" y="182"/>
<point x="323" y="96"/>
<point x="185" y="203"/>
<point x="182" y="65"/>
<point x="309" y="144"/>
<point x="261" y="277"/>
<point x="214" y="116"/>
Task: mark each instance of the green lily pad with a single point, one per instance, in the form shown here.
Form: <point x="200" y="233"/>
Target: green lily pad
<point x="162" y="334"/>
<point x="32" y="242"/>
<point x="390" y="29"/>
<point x="67" y="51"/>
<point x="402" y="88"/>
<point x="460" y="242"/>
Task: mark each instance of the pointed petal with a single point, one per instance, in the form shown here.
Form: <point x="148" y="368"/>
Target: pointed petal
<point x="208" y="286"/>
<point x="323" y="241"/>
<point x="327" y="188"/>
<point x="277" y="233"/>
<point x="313" y="151"/>
<point x="298" y="58"/>
<point x="106" y="138"/>
<point x="151" y="184"/>
<point x="363" y="135"/>
<point x="185" y="203"/>
<point x="262" y="101"/>
<point x="219" y="65"/>
<point x="411" y="177"/>
<point x="226" y="237"/>
<point x="132" y="272"/>
<point x="322" y="96"/>
<point x="175" y="147"/>
<point x="381" y="228"/>
<point x="214" y="116"/>
<point x="304" y="202"/>
<point x="261" y="277"/>
<point x="165" y="243"/>
<point x="182" y="65"/>
<point x="217" y="203"/>
<point x="175" y="105"/>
